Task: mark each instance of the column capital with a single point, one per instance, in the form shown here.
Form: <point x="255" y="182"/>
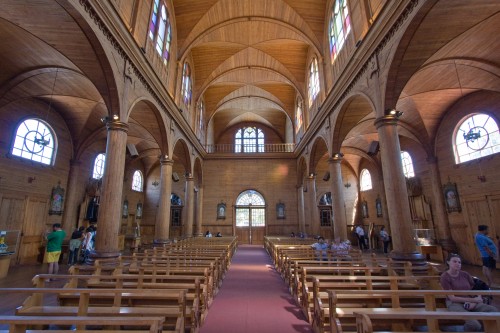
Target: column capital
<point x="75" y="163"/>
<point x="387" y="120"/>
<point x="189" y="177"/>
<point x="116" y="125"/>
<point x="336" y="158"/>
<point x="165" y="160"/>
<point x="432" y="159"/>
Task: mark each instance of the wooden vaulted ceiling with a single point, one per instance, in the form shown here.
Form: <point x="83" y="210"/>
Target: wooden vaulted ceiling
<point x="249" y="56"/>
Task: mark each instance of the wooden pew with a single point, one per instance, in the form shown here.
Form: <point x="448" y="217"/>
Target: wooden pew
<point x="19" y="324"/>
<point x="365" y="321"/>
<point x="317" y="296"/>
<point x="196" y="307"/>
<point x="169" y="304"/>
<point x="342" y="305"/>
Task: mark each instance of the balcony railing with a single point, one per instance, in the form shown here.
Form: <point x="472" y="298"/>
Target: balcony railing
<point x="250" y="149"/>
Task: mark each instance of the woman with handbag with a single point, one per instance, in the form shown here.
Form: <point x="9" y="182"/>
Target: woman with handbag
<point x="456" y="279"/>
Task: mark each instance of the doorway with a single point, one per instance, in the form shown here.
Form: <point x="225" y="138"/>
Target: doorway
<point x="250" y="218"/>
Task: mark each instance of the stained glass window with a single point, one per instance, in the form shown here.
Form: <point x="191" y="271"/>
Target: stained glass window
<point x="186" y="90"/>
<point x="298" y="116"/>
<point x="160" y="30"/>
<point x="340" y="26"/>
<point x="313" y="81"/>
<point x="34" y="141"/>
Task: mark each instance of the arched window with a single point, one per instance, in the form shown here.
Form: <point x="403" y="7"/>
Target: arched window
<point x="476" y="136"/>
<point x="298" y="115"/>
<point x="160" y="30"/>
<point x="407" y="165"/>
<point x="313" y="81"/>
<point x="137" y="181"/>
<point x="249" y="140"/>
<point x="250" y="209"/>
<point x="34" y="141"/>
<point x="201" y="111"/>
<point x="186" y="85"/>
<point x="99" y="162"/>
<point x="340" y="26"/>
<point x="366" y="180"/>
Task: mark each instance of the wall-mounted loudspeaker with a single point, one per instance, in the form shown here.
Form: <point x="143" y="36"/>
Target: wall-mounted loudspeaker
<point x="175" y="177"/>
<point x="326" y="177"/>
<point x="132" y="150"/>
<point x="374" y="148"/>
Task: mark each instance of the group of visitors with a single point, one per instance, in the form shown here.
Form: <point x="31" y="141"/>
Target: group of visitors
<point x="208" y="234"/>
<point x="80" y="245"/>
<point x="338" y="248"/>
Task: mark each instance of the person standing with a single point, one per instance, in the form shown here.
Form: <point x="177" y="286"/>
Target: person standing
<point x="54" y="247"/>
<point x="361" y="237"/>
<point x="488" y="251"/>
<point x="74" y="245"/>
<point x="456" y="279"/>
<point x="384" y="236"/>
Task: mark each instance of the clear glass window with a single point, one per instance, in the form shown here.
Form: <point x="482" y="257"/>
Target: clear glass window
<point x="250" y="209"/>
<point x="366" y="180"/>
<point x="99" y="163"/>
<point x="407" y="165"/>
<point x="137" y="181"/>
<point x="34" y="141"/>
<point x="477" y="136"/>
<point x="249" y="140"/>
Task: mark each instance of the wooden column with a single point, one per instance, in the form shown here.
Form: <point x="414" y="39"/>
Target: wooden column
<point x="338" y="202"/>
<point x="301" y="209"/>
<point x="110" y="208"/>
<point x="189" y="205"/>
<point x="404" y="247"/>
<point x="70" y="217"/>
<point x="199" y="211"/>
<point x="312" y="209"/>
<point x="441" y="221"/>
<point x="162" y="225"/>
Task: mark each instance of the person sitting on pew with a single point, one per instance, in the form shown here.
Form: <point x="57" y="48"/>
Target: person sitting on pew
<point x="321" y="249"/>
<point x="456" y="279"/>
<point x="208" y="234"/>
<point x="341" y="249"/>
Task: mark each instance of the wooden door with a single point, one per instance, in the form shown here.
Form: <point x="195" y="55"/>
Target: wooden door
<point x="476" y="211"/>
<point x="34" y="227"/>
<point x="250" y="225"/>
<point x="12" y="210"/>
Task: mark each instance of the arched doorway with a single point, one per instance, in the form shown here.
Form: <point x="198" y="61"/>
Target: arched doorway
<point x="250" y="217"/>
<point x="176" y="207"/>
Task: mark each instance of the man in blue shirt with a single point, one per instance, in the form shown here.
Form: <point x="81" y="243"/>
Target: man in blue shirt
<point x="321" y="249"/>
<point x="488" y="251"/>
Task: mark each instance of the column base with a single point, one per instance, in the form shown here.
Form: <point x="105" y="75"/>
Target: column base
<point x="96" y="255"/>
<point x="416" y="258"/>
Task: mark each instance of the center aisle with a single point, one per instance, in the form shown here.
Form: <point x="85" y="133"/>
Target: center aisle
<point x="254" y="298"/>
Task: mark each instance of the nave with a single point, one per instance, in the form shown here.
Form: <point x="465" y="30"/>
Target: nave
<point x="251" y="295"/>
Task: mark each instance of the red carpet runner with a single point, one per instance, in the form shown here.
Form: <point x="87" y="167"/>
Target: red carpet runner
<point x="253" y="298"/>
